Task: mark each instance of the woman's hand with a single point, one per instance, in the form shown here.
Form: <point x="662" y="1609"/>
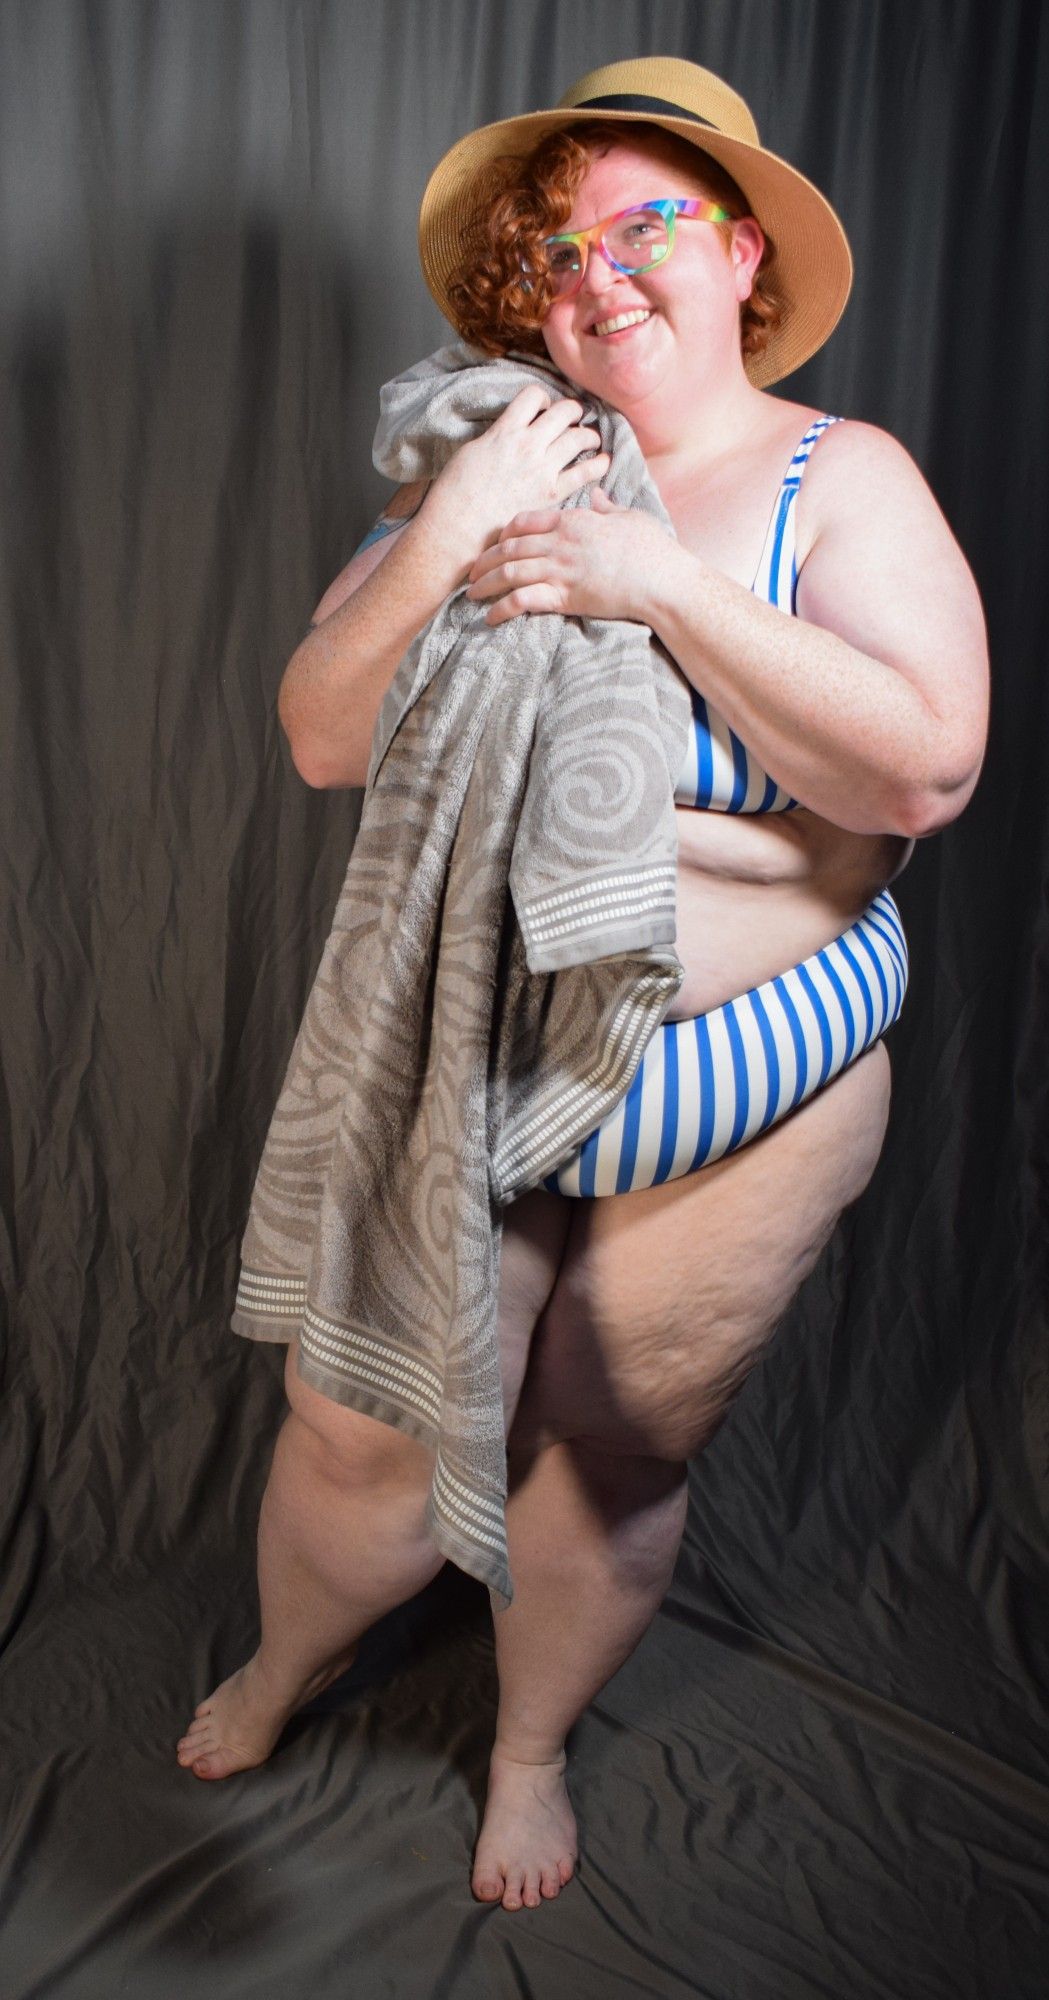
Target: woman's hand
<point x="524" y="459"/>
<point x="581" y="563"/>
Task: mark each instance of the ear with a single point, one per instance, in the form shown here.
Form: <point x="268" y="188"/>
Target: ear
<point x="748" y="245"/>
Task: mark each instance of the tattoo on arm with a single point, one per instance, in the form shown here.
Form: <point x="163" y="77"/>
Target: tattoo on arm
<point x="407" y="502"/>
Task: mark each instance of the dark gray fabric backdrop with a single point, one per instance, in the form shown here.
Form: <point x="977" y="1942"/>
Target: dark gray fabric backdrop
<point x="826" y="1769"/>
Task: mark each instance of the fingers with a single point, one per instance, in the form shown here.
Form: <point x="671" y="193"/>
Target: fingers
<point x="555" y="421"/>
<point x="555" y="414"/>
<point x="559" y="416"/>
<point x="516" y="542"/>
<point x="581" y="473"/>
<point x="509" y="577"/>
<point x="537" y="521"/>
<point x="530" y="597"/>
<point x="528" y="404"/>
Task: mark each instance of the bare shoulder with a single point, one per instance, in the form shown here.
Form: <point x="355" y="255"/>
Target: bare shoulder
<point x="858" y="472"/>
<point x="864" y="498"/>
<point x="369" y="553"/>
<point x="879" y="565"/>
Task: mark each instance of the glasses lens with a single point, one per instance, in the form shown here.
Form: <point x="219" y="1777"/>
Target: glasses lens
<point x="638" y="239"/>
<point x="563" y="263"/>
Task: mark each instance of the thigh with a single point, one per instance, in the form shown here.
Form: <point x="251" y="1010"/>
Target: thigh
<point x="348" y="1444"/>
<point x="665" y="1296"/>
<point x="535" y="1230"/>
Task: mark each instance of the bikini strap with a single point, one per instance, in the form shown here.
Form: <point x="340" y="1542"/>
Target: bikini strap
<point x="776" y="573"/>
<point x="792" y="476"/>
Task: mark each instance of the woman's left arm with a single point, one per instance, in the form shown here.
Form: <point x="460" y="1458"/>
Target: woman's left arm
<point x="870" y="707"/>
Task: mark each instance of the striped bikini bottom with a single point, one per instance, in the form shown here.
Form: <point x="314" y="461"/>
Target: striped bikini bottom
<point x="706" y="1085"/>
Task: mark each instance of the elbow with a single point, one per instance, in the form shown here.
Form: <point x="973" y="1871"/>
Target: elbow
<point x="304" y="757"/>
<point x="952" y="753"/>
<point x="315" y="765"/>
<point x="311" y="774"/>
<point x="930" y="807"/>
<point x="301" y="749"/>
<point x="311" y="767"/>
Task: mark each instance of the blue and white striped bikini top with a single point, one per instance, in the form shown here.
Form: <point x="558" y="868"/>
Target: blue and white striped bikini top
<point x="719" y="773"/>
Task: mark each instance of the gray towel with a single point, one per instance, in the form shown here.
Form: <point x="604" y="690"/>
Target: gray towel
<point x="501" y="954"/>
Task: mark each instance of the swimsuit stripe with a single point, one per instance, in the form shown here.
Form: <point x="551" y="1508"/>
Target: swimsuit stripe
<point x="740" y="1080"/>
<point x="806" y="976"/>
<point x="705" y="1121"/>
<point x="768" y="1043"/>
<point x="671" y="1107"/>
<point x="784" y="514"/>
<point x="801" y="1060"/>
<point x="868" y="1005"/>
<point x="705" y="1086"/>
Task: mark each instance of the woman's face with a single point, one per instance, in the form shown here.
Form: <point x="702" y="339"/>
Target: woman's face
<point x="693" y="299"/>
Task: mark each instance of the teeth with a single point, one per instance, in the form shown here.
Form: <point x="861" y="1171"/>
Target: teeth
<point x="623" y="319"/>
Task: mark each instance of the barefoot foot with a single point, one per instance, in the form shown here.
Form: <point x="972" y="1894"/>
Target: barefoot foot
<point x="236" y="1727"/>
<point x="527" y="1847"/>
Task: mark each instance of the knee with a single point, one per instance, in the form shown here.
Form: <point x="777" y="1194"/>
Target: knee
<point x="641" y="1500"/>
<point x="347" y="1446"/>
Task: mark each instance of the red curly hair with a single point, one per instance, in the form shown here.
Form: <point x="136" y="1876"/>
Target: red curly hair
<point x="523" y="199"/>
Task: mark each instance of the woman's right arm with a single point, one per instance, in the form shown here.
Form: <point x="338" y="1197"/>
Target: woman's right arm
<point x="333" y="686"/>
<point x="334" y="683"/>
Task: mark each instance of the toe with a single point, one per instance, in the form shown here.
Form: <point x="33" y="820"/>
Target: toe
<point x="530" y="1890"/>
<point x="550" y="1882"/>
<point x="566" y="1866"/>
<point x="203" y="1767"/>
<point x="488" y="1888"/>
<point x="512" y="1897"/>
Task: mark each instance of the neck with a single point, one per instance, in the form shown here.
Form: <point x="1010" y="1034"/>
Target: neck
<point x="695" y="425"/>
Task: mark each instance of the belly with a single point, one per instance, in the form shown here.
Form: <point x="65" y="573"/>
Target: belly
<point x="757" y="893"/>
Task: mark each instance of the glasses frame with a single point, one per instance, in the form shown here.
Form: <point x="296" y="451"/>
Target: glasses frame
<point x="692" y="208"/>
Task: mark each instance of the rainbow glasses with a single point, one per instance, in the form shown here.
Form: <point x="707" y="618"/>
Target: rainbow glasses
<point x="632" y="240"/>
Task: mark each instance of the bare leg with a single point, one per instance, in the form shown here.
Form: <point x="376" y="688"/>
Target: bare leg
<point x="593" y="1540"/>
<point x="664" y="1301"/>
<point x="342" y="1534"/>
<point x="341" y="1541"/>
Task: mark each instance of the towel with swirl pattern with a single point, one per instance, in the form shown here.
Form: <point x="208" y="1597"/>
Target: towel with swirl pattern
<point x="501" y="954"/>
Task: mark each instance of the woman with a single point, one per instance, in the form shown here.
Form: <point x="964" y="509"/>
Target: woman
<point x="825" y="743"/>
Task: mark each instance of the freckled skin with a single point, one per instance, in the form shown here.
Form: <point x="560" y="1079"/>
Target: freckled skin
<point x="626" y="1325"/>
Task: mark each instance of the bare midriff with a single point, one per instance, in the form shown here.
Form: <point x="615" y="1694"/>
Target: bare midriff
<point x="758" y="893"/>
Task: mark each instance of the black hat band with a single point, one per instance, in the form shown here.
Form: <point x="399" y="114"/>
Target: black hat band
<point x="629" y="100"/>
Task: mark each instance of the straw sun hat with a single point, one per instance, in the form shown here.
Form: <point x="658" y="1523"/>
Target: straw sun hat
<point x="812" y="269"/>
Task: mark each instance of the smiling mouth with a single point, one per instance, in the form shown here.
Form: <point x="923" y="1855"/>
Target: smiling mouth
<point x="619" y="324"/>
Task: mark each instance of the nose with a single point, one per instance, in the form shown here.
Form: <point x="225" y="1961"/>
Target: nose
<point x="600" y="276"/>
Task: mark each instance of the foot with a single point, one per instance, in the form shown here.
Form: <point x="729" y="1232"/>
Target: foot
<point x="236" y="1727"/>
<point x="527" y="1847"/>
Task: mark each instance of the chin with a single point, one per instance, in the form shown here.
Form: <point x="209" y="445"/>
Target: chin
<point x="570" y="373"/>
